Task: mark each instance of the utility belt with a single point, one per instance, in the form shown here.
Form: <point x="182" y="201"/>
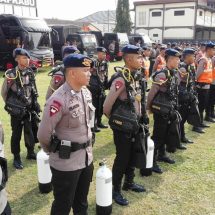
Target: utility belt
<point x="65" y="147"/>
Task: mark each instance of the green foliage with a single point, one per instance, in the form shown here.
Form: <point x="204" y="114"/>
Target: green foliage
<point x="123" y="18"/>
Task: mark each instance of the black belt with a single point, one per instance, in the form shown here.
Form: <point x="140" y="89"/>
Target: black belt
<point x="74" y="146"/>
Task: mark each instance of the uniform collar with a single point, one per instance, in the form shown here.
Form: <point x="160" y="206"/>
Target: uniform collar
<point x="68" y="88"/>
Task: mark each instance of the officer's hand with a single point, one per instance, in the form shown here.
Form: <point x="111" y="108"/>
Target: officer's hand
<point x="144" y="120"/>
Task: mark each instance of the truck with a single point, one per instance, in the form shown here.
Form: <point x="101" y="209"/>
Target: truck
<point x="144" y="38"/>
<point x="32" y="34"/>
<point x="59" y="37"/>
<point x="86" y="42"/>
<point x="121" y="40"/>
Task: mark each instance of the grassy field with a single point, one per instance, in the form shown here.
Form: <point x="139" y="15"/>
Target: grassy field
<point x="186" y="188"/>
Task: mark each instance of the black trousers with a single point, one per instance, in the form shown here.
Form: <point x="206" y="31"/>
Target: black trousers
<point x="123" y="163"/>
<point x="17" y="126"/>
<point x="98" y="101"/>
<point x="184" y="112"/>
<point x="159" y="136"/>
<point x="211" y="100"/>
<point x="7" y="210"/>
<point x="70" y="190"/>
<point x="203" y="96"/>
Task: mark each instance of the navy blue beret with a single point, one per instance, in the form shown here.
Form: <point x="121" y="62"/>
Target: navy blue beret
<point x="203" y="44"/>
<point x="70" y="50"/>
<point x="188" y="51"/>
<point x="163" y="47"/>
<point x="20" y="51"/>
<point x="77" y="60"/>
<point x="172" y="52"/>
<point x="210" y="45"/>
<point x="144" y="48"/>
<point x="179" y="49"/>
<point x="131" y="49"/>
<point x="101" y="49"/>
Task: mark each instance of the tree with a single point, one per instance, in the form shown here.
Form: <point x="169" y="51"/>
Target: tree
<point x="123" y="19"/>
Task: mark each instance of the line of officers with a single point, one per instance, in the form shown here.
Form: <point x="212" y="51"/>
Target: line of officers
<point x="182" y="90"/>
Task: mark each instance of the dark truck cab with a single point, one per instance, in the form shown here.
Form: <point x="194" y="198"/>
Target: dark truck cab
<point x="121" y="40"/>
<point x="59" y="36"/>
<point x="86" y="42"/>
<point x="32" y="34"/>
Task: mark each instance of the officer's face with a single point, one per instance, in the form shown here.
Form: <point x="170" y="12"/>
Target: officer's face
<point x="190" y="58"/>
<point x="210" y="52"/>
<point x="23" y="61"/>
<point x="101" y="55"/>
<point x="81" y="75"/>
<point x="134" y="61"/>
<point x="173" y="62"/>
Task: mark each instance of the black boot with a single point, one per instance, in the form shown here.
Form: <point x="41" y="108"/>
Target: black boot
<point x="209" y="119"/>
<point x="31" y="155"/>
<point x="184" y="139"/>
<point x="96" y="129"/>
<point x="118" y="198"/>
<point x="17" y="163"/>
<point x="156" y="168"/>
<point x="133" y="187"/>
<point x="165" y="159"/>
<point x="181" y="147"/>
<point x="198" y="130"/>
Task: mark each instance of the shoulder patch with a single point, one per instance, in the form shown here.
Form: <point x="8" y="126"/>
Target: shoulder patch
<point x="118" y="85"/>
<point x="57" y="79"/>
<point x="54" y="108"/>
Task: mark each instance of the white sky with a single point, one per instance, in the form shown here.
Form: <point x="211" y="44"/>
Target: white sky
<point x="74" y="9"/>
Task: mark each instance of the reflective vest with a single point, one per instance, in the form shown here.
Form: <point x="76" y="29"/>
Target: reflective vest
<point x="207" y="74"/>
<point x="162" y="63"/>
<point x="146" y="65"/>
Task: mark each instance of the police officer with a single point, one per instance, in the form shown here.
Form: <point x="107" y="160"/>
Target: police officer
<point x="67" y="114"/>
<point x="160" y="62"/>
<point x="163" y="81"/>
<point x="98" y="85"/>
<point x="57" y="73"/>
<point x="146" y="61"/>
<point x="4" y="205"/>
<point x="186" y="76"/>
<point x="204" y="79"/>
<point x="19" y="92"/>
<point x="124" y="141"/>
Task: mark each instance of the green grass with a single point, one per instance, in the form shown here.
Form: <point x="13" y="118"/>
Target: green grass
<point x="186" y="188"/>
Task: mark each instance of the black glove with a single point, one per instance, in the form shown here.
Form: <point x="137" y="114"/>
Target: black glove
<point x="144" y="120"/>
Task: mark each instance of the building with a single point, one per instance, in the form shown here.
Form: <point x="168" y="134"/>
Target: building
<point x="105" y="21"/>
<point x="26" y="8"/>
<point x="175" y="20"/>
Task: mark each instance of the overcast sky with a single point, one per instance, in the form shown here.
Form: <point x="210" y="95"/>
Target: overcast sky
<point x="74" y="9"/>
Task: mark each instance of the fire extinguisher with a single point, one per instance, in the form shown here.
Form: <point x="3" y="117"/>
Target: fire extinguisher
<point x="149" y="157"/>
<point x="44" y="172"/>
<point x="103" y="190"/>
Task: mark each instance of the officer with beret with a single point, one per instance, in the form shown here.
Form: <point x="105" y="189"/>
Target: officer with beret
<point x="19" y="91"/>
<point x="125" y="97"/>
<point x="187" y="91"/>
<point x="66" y="121"/>
<point x="98" y="85"/>
<point x="57" y="72"/>
<point x="204" y="77"/>
<point x="4" y="205"/>
<point x="162" y="102"/>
